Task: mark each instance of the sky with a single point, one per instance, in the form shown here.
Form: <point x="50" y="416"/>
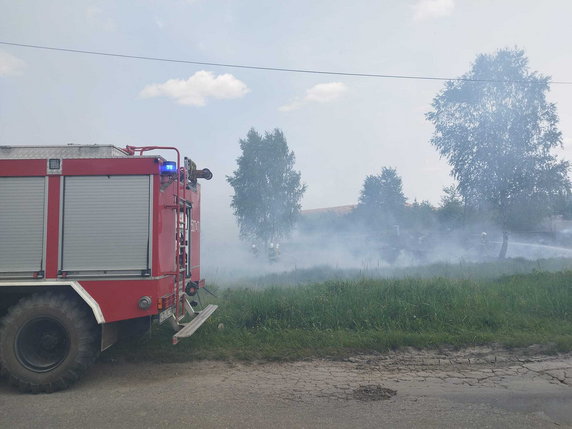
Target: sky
<point x="340" y="128"/>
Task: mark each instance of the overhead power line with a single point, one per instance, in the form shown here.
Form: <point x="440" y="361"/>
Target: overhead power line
<point x="276" y="69"/>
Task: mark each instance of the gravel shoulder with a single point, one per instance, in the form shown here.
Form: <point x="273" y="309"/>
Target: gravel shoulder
<point x="477" y="387"/>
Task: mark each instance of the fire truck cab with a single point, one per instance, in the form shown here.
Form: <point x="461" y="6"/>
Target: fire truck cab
<point x="94" y="240"/>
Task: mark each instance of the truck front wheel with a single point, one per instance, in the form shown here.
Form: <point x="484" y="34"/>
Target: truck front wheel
<point x="47" y="341"/>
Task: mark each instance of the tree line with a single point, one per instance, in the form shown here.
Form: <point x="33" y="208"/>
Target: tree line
<point x="495" y="128"/>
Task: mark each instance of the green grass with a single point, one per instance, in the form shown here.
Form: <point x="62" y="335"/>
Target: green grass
<point x="340" y="317"/>
<point x="460" y="270"/>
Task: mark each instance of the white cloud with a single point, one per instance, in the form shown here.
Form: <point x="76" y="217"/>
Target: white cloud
<point x="293" y="105"/>
<point x="325" y="92"/>
<point x="10" y="65"/>
<point x="427" y="9"/>
<point x="198" y="88"/>
<point x="320" y="93"/>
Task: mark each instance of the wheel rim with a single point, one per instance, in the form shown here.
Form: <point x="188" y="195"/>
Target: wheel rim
<point x="42" y="344"/>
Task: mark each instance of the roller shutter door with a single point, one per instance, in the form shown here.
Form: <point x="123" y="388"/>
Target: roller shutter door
<point x="21" y="224"/>
<point x="106" y="223"/>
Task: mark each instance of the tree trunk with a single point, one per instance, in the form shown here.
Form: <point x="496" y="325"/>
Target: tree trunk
<point x="504" y="247"/>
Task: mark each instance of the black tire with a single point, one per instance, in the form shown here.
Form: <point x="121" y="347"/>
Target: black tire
<point x="47" y="341"/>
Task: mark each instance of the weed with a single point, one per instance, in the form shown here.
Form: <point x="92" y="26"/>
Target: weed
<point x="339" y="317"/>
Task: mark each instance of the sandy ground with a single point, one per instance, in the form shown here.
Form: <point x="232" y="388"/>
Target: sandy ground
<point x="473" y="388"/>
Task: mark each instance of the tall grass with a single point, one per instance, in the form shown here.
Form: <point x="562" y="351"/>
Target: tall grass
<point x="338" y="317"/>
<point x="414" y="305"/>
<point x="458" y="270"/>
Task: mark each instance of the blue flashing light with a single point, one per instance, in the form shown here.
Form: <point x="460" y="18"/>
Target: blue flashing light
<point x="169" y="167"/>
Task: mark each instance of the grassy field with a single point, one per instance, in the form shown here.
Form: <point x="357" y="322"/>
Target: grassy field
<point x="339" y="317"/>
<point x="465" y="270"/>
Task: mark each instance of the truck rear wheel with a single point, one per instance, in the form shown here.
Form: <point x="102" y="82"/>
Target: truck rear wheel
<point x="47" y="341"/>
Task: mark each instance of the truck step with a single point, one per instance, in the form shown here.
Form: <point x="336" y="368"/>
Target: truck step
<point x="191" y="327"/>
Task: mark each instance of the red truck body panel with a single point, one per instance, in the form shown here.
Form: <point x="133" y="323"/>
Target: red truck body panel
<point x="118" y="295"/>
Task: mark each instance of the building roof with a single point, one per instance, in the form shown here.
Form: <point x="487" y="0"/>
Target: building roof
<point x="337" y="210"/>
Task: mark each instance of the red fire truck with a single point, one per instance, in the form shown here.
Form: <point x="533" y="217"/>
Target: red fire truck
<point x="95" y="241"/>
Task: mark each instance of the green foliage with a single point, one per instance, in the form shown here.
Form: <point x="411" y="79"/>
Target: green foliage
<point x="267" y="189"/>
<point x="409" y="305"/>
<point x="498" y="137"/>
<point x="420" y="216"/>
<point x="340" y="317"/>
<point x="381" y="202"/>
<point x="450" y="212"/>
<point x="463" y="270"/>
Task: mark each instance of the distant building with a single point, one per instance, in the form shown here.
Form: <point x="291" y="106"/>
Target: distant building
<point x="339" y="210"/>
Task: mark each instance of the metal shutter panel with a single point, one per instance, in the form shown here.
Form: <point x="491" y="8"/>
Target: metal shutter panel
<point x="105" y="223"/>
<point x="21" y="223"/>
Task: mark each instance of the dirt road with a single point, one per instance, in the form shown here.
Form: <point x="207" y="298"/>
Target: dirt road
<point x="475" y="388"/>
